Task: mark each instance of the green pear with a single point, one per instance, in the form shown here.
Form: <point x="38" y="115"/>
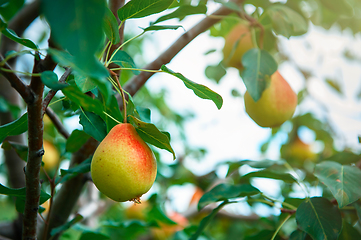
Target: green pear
<point x="123" y="166"/>
<point x="276" y="105"/>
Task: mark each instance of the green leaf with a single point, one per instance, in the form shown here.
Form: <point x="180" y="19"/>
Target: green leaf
<point x="93" y="125"/>
<point x="215" y="72"/>
<point x="128" y="229"/>
<point x="161" y="27"/>
<point x="21" y="150"/>
<point x="50" y="79"/>
<point x="123" y="59"/>
<point x="341" y="7"/>
<point x="110" y="26"/>
<point x="223" y="192"/>
<point x="86" y="102"/>
<point x="76" y="139"/>
<point x="16" y="127"/>
<point x="9" y="8"/>
<point x="348" y="232"/>
<point x="84" y="83"/>
<point x="113" y="110"/>
<point x="20" y="194"/>
<point x="200" y="90"/>
<point x="13" y="36"/>
<point x="342" y="180"/>
<point x="205" y="221"/>
<point x="157" y="214"/>
<point x="263" y="235"/>
<point x="67" y="225"/>
<point x="93" y="236"/>
<point x="91" y="68"/>
<point x="183" y="11"/>
<point x="259" y="66"/>
<point x="286" y="21"/>
<point x="77" y="26"/>
<point x="233" y="166"/>
<point x="266" y="173"/>
<point x="344" y="157"/>
<point x="83" y="167"/>
<point x="151" y="134"/>
<point x="144" y="113"/>
<point x="319" y="218"/>
<point x="299" y="235"/>
<point x="142" y="8"/>
<point x="64" y="58"/>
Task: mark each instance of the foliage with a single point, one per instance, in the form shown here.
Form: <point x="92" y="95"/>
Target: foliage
<point x="101" y="85"/>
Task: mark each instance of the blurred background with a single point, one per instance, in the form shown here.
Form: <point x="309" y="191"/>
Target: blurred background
<point x="322" y="66"/>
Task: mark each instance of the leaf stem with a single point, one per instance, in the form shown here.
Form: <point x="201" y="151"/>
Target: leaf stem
<point x="137" y="69"/>
<point x="20" y="72"/>
<point x="122" y="94"/>
<point x="111" y="58"/>
<point x="290" y="206"/>
<point x="108" y="115"/>
<point x="280" y="226"/>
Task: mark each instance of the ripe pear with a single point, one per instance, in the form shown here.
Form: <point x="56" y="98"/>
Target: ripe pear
<point x="123" y="166"/>
<point x="237" y="42"/>
<point x="276" y="105"/>
<point x="298" y="150"/>
<point x="51" y="156"/>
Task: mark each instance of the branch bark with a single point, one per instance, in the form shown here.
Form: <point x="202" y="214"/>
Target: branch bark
<point x="24" y="91"/>
<point x="35" y="153"/>
<point x="13" y="162"/>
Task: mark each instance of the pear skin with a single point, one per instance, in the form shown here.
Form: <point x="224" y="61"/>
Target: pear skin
<point x="51" y="156"/>
<point x="276" y="105"/>
<point x="237" y="42"/>
<point x="123" y="166"/>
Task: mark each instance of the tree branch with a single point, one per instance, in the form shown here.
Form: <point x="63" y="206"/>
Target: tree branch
<point x="52" y="93"/>
<point x="35" y="153"/>
<point x="16" y="82"/>
<point x="57" y="123"/>
<point x="133" y="85"/>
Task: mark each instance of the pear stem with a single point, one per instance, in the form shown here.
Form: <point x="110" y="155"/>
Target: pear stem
<point x="122" y="94"/>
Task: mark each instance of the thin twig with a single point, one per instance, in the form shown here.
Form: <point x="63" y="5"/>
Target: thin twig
<point x="52" y="93"/>
<point x="57" y="123"/>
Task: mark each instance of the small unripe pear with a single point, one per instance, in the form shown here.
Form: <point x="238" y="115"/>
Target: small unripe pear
<point x="123" y="166"/>
<point x="276" y="105"/>
<point x="237" y="42"/>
